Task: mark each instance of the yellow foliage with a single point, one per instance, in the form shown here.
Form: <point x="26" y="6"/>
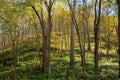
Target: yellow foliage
<point x="45" y="1"/>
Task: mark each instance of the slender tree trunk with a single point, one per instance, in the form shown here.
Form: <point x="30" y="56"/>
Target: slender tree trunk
<point x="38" y="43"/>
<point x="108" y="44"/>
<point x="3" y="42"/>
<point x="72" y="47"/>
<point x="108" y="36"/>
<point x="96" y="49"/>
<point x="88" y="36"/>
<point x="96" y="36"/>
<point x="14" y="52"/>
<point x="78" y="34"/>
<point x="72" y="39"/>
<point x="17" y="48"/>
<point x="84" y="19"/>
<point x="118" y="2"/>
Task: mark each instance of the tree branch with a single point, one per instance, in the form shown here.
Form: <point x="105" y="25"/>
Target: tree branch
<point x="41" y="22"/>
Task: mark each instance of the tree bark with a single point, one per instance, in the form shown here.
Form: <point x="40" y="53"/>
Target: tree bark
<point x="46" y="54"/>
<point x="46" y="40"/>
<point x="118" y="2"/>
<point x="88" y="36"/>
<point x="78" y="34"/>
<point x="72" y="39"/>
<point x="46" y="33"/>
<point x="96" y="35"/>
<point x="46" y="46"/>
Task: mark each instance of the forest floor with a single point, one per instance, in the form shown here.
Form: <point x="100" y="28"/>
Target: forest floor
<point x="29" y="66"/>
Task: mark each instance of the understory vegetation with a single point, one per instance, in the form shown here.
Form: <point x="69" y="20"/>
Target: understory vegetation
<point x="29" y="65"/>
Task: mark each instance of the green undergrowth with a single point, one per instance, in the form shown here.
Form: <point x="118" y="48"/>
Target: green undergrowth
<point x="29" y="66"/>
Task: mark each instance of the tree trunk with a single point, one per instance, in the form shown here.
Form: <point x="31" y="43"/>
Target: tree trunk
<point x="46" y="45"/>
<point x="78" y="34"/>
<point x="108" y="35"/>
<point x="96" y="29"/>
<point x="88" y="36"/>
<point x="96" y="35"/>
<point x="3" y="43"/>
<point x="118" y="2"/>
<point x="46" y="54"/>
<point x="108" y="44"/>
<point x="14" y="52"/>
<point x="72" y="46"/>
<point x="72" y="38"/>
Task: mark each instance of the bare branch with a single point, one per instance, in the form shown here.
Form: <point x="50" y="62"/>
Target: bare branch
<point x="6" y="21"/>
<point x="40" y="20"/>
<point x="53" y="2"/>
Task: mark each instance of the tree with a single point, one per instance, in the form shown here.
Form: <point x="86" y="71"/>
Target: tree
<point x="72" y="38"/>
<point x="46" y="38"/>
<point x="74" y="21"/>
<point x="96" y="34"/>
<point x="118" y="3"/>
<point x="46" y="34"/>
